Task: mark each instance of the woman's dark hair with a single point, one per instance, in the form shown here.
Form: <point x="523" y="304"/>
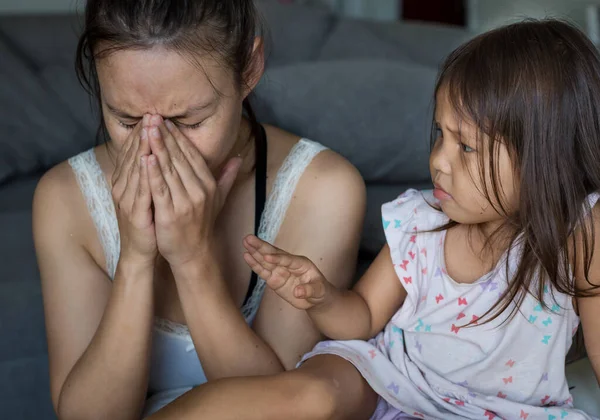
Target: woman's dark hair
<point x="225" y="29"/>
<point x="535" y="87"/>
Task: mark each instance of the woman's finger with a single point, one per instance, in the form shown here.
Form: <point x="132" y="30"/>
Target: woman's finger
<point x="189" y="179"/>
<point x="131" y="188"/>
<point x="122" y="174"/>
<point x="193" y="155"/>
<point x="161" y="195"/>
<point x="125" y="153"/>
<point x="142" y="206"/>
<point x="166" y="165"/>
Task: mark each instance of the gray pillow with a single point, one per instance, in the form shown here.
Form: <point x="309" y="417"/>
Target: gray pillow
<point x="411" y="42"/>
<point x="294" y="32"/>
<point x="37" y="130"/>
<point x="375" y="113"/>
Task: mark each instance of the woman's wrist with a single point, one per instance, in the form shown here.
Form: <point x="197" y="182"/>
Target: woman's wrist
<point x="135" y="268"/>
<point x="203" y="266"/>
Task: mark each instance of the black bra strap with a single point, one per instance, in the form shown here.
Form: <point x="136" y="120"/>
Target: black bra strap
<point x="260" y="195"/>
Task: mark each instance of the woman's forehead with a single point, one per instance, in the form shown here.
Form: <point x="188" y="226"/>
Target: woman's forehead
<point x="160" y="78"/>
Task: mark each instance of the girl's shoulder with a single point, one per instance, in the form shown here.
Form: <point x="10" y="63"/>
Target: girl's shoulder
<point x="418" y="210"/>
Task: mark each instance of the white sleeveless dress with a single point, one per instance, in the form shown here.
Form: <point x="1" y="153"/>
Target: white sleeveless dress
<point x="175" y="368"/>
<point x="426" y="364"/>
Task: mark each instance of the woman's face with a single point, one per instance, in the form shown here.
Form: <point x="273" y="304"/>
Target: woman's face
<point x="201" y="100"/>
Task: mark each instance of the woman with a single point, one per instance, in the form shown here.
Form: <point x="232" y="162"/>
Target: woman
<point x="139" y="240"/>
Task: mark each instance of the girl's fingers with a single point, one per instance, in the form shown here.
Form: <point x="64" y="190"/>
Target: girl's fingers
<point x="273" y="255"/>
<point x="291" y="262"/>
<point x="159" y="189"/>
<point x="166" y="165"/>
<point x="261" y="260"/>
<point x="309" y="291"/>
<point x="257" y="267"/>
<point x="143" y="199"/>
<point x="261" y="246"/>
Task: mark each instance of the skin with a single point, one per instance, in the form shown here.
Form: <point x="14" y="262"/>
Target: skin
<point x="180" y="163"/>
<point x="331" y="383"/>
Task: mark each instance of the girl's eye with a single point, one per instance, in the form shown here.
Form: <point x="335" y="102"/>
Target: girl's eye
<point x="466" y="149"/>
<point x="127" y="126"/>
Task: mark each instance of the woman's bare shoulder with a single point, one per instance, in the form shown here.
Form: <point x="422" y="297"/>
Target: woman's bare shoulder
<point x="58" y="205"/>
<point x="328" y="167"/>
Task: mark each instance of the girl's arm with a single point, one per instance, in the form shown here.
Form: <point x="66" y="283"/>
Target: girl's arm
<point x="356" y="314"/>
<point x="589" y="307"/>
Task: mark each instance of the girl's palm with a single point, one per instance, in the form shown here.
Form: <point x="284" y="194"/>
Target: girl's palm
<point x="295" y="279"/>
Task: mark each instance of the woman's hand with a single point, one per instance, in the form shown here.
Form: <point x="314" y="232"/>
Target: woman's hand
<point x="133" y="201"/>
<point x="295" y="279"/>
<point x="187" y="198"/>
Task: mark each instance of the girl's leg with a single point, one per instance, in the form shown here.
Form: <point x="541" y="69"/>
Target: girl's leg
<point x="325" y="387"/>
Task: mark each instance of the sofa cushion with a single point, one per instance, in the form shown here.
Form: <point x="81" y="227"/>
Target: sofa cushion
<point x="25" y="389"/>
<point x="294" y="32"/>
<point x="17" y="195"/>
<point x="420" y="43"/>
<point x="375" y="113"/>
<point x="21" y="308"/>
<point x="38" y="130"/>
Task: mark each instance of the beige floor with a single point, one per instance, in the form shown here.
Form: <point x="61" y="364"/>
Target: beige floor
<point x="586" y="392"/>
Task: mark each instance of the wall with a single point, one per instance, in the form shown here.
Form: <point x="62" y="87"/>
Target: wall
<point x="486" y="14"/>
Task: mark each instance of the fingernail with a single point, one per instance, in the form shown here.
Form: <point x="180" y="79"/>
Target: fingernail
<point x="143" y="160"/>
<point x="156" y="119"/>
<point x="154" y="132"/>
<point x="152" y="160"/>
<point x="146" y="120"/>
<point x="144" y="133"/>
<point x="169" y="125"/>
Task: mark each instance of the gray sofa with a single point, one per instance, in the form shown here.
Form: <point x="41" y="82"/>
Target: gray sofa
<point x="364" y="89"/>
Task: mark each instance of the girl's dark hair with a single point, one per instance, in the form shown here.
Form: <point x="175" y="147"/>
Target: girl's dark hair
<point x="224" y="29"/>
<point x="535" y="87"/>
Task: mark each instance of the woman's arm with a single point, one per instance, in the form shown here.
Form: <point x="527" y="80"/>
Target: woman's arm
<point x="187" y="200"/>
<point x="589" y="307"/>
<point x="98" y="334"/>
<point x="328" y="232"/>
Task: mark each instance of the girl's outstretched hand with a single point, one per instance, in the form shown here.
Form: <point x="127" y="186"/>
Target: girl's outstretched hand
<point x="295" y="279"/>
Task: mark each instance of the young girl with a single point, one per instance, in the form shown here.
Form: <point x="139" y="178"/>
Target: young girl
<point x="475" y="298"/>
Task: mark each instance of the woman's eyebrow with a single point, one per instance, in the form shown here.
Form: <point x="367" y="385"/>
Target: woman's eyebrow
<point x="190" y="111"/>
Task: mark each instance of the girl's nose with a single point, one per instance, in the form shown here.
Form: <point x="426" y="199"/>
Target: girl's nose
<point x="440" y="160"/>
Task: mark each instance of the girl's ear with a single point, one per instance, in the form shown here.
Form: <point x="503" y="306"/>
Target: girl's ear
<point x="256" y="67"/>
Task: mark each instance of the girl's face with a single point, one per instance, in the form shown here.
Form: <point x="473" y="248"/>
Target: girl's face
<point x="455" y="171"/>
<point x="201" y="100"/>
